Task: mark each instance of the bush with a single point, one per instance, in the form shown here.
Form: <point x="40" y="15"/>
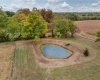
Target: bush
<point x="98" y="35"/>
<point x="46" y="35"/>
<point x="3" y="36"/>
<point x="86" y="52"/>
<point x="58" y="34"/>
<point x="37" y="39"/>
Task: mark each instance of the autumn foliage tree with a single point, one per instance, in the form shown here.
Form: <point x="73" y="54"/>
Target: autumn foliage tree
<point x="18" y="17"/>
<point x="26" y="11"/>
<point x="47" y="15"/>
<point x="34" y="25"/>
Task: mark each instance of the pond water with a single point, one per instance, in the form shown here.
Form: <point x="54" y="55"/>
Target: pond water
<point x="53" y="51"/>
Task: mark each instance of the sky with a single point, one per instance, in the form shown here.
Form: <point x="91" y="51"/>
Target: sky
<point x="55" y="5"/>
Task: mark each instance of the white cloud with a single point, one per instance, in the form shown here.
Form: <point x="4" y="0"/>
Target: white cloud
<point x="65" y="5"/>
<point x="47" y="6"/>
<point x="98" y="1"/>
<point x="27" y="0"/>
<point x="12" y="7"/>
<point x="19" y="4"/>
<point x="55" y="5"/>
<point x="94" y="5"/>
<point x="83" y="8"/>
<point x="53" y="0"/>
<point x="24" y="0"/>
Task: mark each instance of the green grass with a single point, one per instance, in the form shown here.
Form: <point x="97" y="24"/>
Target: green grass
<point x="27" y="69"/>
<point x="25" y="65"/>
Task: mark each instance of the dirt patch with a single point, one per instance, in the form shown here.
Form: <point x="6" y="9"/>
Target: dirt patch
<point x="76" y="57"/>
<point x="6" y="57"/>
<point x="88" y="25"/>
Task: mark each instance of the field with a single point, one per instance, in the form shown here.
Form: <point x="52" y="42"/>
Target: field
<point x="18" y="62"/>
<point x="26" y="68"/>
<point x="26" y="30"/>
<point x="90" y="27"/>
<point x="6" y="59"/>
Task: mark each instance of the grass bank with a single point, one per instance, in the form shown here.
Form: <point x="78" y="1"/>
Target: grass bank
<point x="27" y="69"/>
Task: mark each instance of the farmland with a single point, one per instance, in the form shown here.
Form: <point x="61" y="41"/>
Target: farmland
<point x="25" y="33"/>
<point x="26" y="67"/>
<point x="89" y="26"/>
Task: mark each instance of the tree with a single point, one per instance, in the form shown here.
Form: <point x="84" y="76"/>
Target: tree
<point x="34" y="9"/>
<point x="19" y="11"/>
<point x="13" y="29"/>
<point x="18" y="17"/>
<point x="34" y="25"/>
<point x="3" y="26"/>
<point x="3" y="36"/>
<point x="72" y="16"/>
<point x="71" y="27"/>
<point x="9" y="13"/>
<point x="86" y="52"/>
<point x="47" y="15"/>
<point x="61" y="27"/>
<point x="25" y="11"/>
<point x="3" y="19"/>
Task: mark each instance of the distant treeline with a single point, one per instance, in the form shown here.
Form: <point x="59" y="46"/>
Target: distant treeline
<point x="76" y="16"/>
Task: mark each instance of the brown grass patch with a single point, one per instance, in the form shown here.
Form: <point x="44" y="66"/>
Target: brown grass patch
<point x="6" y="57"/>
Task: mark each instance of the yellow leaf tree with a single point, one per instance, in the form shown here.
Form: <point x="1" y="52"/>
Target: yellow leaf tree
<point x="34" y="25"/>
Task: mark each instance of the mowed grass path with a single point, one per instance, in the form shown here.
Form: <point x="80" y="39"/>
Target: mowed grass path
<point x="26" y="67"/>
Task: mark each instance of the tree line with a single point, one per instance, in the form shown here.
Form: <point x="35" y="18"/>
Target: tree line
<point x="35" y="24"/>
<point x="77" y="16"/>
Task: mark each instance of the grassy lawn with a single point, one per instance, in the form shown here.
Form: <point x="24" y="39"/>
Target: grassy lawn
<point x="27" y="69"/>
<point x="86" y="71"/>
<point x="25" y="65"/>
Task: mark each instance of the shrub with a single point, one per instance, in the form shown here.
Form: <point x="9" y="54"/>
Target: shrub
<point x="46" y="35"/>
<point x="3" y="35"/>
<point x="98" y="35"/>
<point x="37" y="39"/>
<point x="58" y="34"/>
<point x="86" y="52"/>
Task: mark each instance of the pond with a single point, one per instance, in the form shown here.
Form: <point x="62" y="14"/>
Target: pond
<point x="54" y="51"/>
